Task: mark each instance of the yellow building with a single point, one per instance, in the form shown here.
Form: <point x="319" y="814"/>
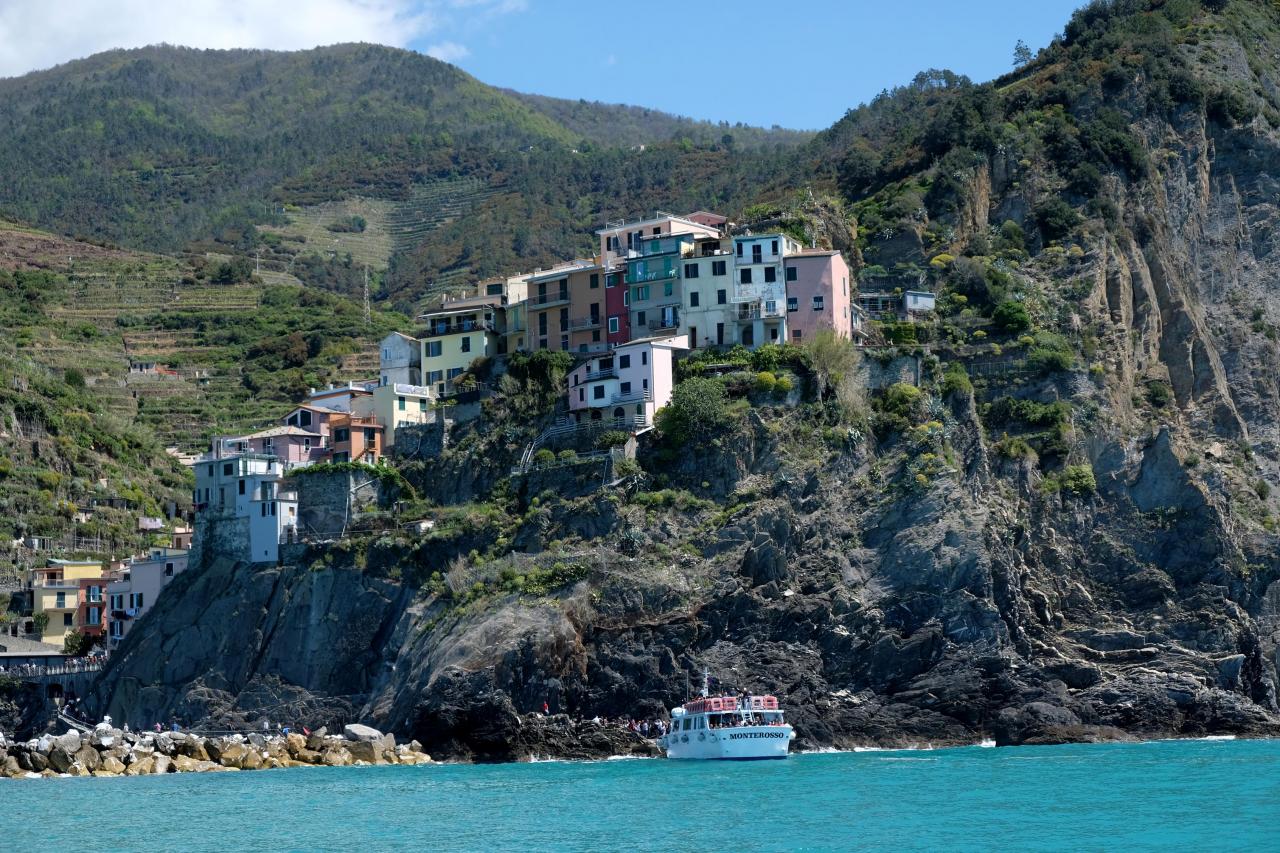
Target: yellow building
<point x="455" y="335"/>
<point x="396" y="405"/>
<point x="63" y="590"/>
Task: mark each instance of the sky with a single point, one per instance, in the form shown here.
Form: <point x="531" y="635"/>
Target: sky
<point x="798" y="63"/>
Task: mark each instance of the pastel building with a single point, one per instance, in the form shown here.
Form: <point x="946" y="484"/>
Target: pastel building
<point x="760" y="289"/>
<point x="454" y="336"/>
<point x="628" y="384"/>
<point x="244" y="510"/>
<point x="706" y="283"/>
<point x="399" y="360"/>
<point x="390" y="407"/>
<point x="655" y="300"/>
<point x="618" y="330"/>
<point x="356" y="439"/>
<point x="71" y="593"/>
<point x="619" y="239"/>
<point x="340" y="398"/>
<point x="293" y="446"/>
<point x="550" y="305"/>
<point x="818" y="295"/>
<point x="136" y="586"/>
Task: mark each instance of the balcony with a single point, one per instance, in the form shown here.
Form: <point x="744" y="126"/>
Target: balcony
<point x="755" y="311"/>
<point x="543" y="300"/>
<point x="458" y="327"/>
<point x="417" y="390"/>
<point x="653" y="275"/>
<point x="645" y="396"/>
<point x="663" y="324"/>
<point x="579" y="323"/>
<point x="597" y="375"/>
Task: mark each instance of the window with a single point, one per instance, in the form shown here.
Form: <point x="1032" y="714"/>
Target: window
<point x="844" y="286"/>
<point x="792" y="272"/>
<point x="739" y="247"/>
<point x="60" y="600"/>
<point x="400" y="403"/>
<point x="422" y="405"/>
<point x="67" y="621"/>
<point x="717" y="267"/>
<point x="263" y="510"/>
<point x="690" y="270"/>
<point x="817" y="303"/>
<point x="770" y="274"/>
<point x="386" y="354"/>
<point x="595" y="281"/>
<point x="117" y="601"/>
<point x="595" y="336"/>
<point x="624" y="388"/>
<point x="466" y="343"/>
<point x="793" y="303"/>
<point x="434" y="349"/>
<point x="744" y="275"/>
<point x="795" y="334"/>
<point x="773" y="246"/>
<point x="581" y="396"/>
<point x="693" y="299"/>
<point x="666" y="288"/>
<point x="640" y="294"/>
<point x="370" y="435"/>
<point x="434" y="376"/>
<point x="494" y="289"/>
<point x="757" y="253"/>
<point x="644" y="383"/>
<point x="597" y="393"/>
<point x="612" y="279"/>
<point x="135" y="600"/>
<point x="117" y="630"/>
<point x="640" y="319"/>
<point x="644" y="357"/>
<point x="722" y="297"/>
<point x="341" y="436"/>
<point x="242" y="487"/>
<point x="454" y="371"/>
<point x="564" y="318"/>
<point x="95" y="616"/>
<point x="226" y="469"/>
<point x="613" y="325"/>
<point x="564" y="342"/>
<point x="624" y="361"/>
<point x="168" y="570"/>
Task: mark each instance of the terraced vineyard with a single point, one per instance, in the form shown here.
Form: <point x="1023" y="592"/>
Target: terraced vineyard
<point x="372" y="246"/>
<point x="431" y="205"/>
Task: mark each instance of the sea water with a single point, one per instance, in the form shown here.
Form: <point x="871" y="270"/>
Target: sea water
<point x="1172" y="795"/>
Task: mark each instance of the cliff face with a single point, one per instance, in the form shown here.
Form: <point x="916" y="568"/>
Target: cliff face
<point x="933" y="583"/>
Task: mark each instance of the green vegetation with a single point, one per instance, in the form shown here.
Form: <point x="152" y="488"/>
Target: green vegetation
<point x="1074" y="479"/>
<point x="1011" y="317"/>
<point x="698" y="410"/>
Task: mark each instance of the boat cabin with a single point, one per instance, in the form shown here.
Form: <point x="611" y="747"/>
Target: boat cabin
<point x="720" y="712"/>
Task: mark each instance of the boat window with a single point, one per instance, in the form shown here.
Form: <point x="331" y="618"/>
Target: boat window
<point x="702" y="722"/>
<point x="687" y="723"/>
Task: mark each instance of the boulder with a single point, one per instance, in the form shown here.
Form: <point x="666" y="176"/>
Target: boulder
<point x="192" y="748"/>
<point x="69" y="741"/>
<point x="316" y="740"/>
<point x="232" y="755"/>
<point x="141" y="766"/>
<point x="336" y="756"/>
<point x="10" y="768"/>
<point x="111" y="766"/>
<point x="88" y="758"/>
<point x="308" y="756"/>
<point x="367" y="751"/>
<point x="257" y="741"/>
<point x="251" y="760"/>
<point x="213" y="747"/>
<point x="295" y="743"/>
<point x="363" y="734"/>
<point x="39" y="762"/>
<point x="161" y="763"/>
<point x="59" y="760"/>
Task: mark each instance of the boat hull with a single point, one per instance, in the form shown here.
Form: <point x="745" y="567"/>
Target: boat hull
<point x="741" y="743"/>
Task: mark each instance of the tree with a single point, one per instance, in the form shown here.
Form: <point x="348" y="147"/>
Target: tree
<point x="831" y="357"/>
<point x="1011" y="317"/>
<point x="698" y="408"/>
<point x="1021" y="54"/>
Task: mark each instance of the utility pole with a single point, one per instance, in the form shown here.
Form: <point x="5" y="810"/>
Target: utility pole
<point x="368" y="317"/>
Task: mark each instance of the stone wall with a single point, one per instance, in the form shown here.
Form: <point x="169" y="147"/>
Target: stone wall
<point x="220" y="536"/>
<point x="327" y="502"/>
<point x="876" y="375"/>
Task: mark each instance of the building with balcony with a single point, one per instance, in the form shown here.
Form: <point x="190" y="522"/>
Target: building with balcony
<point x="628" y="384"/>
<point x="390" y="407"/>
<point x="706" y="283"/>
<point x="293" y="446"/>
<point x="617" y="317"/>
<point x="760" y="290"/>
<point x="818" y="295"/>
<point x="244" y="508"/>
<point x="556" y="298"/>
<point x="619" y="239"/>
<point x="70" y="593"/>
<point x="135" y="587"/>
<point x="340" y="398"/>
<point x="399" y="360"/>
<point x="454" y="336"/>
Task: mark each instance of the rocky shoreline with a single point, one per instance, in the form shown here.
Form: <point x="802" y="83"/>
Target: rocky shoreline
<point x="108" y="751"/>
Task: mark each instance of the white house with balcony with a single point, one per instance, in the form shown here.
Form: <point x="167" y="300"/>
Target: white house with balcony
<point x="760" y="287"/>
<point x="136" y="587"/>
<point x="627" y="385"/>
<point x="243" y="508"/>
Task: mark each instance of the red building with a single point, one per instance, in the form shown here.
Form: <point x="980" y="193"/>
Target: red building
<point x="615" y="306"/>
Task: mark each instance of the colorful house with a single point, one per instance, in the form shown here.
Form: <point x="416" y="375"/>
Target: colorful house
<point x="71" y="594"/>
<point x="619" y="239"/>
<point x="315" y="419"/>
<point x="390" y="407"/>
<point x="455" y="335"/>
<point x="136" y="586"/>
<point x="244" y="510"/>
<point x="549" y="304"/>
<point x="618" y="330"/>
<point x="706" y="285"/>
<point x="340" y="398"/>
<point x="627" y="385"/>
<point x="818" y="294"/>
<point x="356" y="439"/>
<point x="293" y="446"/>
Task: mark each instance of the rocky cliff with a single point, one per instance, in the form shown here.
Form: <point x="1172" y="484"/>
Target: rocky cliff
<point x="1068" y="535"/>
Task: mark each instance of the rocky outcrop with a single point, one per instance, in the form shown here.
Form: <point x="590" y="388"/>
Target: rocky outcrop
<point x="109" y="751"/>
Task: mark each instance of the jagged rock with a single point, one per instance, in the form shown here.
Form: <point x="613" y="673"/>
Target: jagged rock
<point x="316" y="740"/>
<point x="233" y="755"/>
<point x="367" y="751"/>
<point x="251" y="760"/>
<point x="336" y="756"/>
<point x="88" y="758"/>
<point x="161" y="763"/>
<point x="141" y="766"/>
<point x="111" y="766"/>
<point x="59" y="760"/>
<point x="70" y="741"/>
<point x="295" y="743"/>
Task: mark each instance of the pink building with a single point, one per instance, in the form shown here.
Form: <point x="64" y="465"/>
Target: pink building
<point x="628" y="384"/>
<point x="292" y="445"/>
<point x="819" y="295"/>
<point x="312" y="418"/>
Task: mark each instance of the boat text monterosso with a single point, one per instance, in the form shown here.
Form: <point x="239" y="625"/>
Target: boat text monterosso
<point x="728" y="727"/>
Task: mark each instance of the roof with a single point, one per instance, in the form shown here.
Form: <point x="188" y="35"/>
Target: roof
<point x="814" y="253"/>
<point x="661" y="216"/>
<point x="402" y="335"/>
<point x="278" y="431"/>
<point x="576" y="265"/>
<point x="658" y="340"/>
<point x="325" y="409"/>
<point x="21" y="647"/>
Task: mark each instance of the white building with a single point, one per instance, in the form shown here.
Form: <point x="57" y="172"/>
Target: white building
<point x="399" y="360"/>
<point x="629" y="384"/>
<point x="242" y="509"/>
<point x="760" y="287"/>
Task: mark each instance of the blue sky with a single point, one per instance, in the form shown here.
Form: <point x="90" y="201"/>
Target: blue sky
<point x="796" y="63"/>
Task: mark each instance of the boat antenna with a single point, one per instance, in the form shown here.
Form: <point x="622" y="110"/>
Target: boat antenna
<point x="706" y="683"/>
<point x="686" y="686"/>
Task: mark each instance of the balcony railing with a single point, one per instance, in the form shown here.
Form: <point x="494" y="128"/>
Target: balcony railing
<point x="436" y="330"/>
<point x="549" y="298"/>
<point x="633" y="397"/>
<point x="585" y="323"/>
<point x="664" y="323"/>
<point x="756" y="311"/>
<point x="420" y="390"/>
<point x="606" y="373"/>
<point x="653" y="275"/>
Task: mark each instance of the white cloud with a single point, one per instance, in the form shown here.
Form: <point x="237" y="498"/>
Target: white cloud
<point x="448" y="51"/>
<point x="36" y="35"/>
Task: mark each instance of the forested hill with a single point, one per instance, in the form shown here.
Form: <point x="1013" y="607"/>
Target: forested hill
<point x="165" y="147"/>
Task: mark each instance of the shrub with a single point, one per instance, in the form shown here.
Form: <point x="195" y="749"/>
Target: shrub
<point x="566" y="455"/>
<point x="544" y="457"/>
<point x="1056" y="219"/>
<point x="831" y="357"/>
<point x="1159" y="393"/>
<point x="765" y="382"/>
<point x="1011" y="317"/>
<point x="1079" y="480"/>
<point x="956" y="380"/>
<point x="783" y="386"/>
<point x="626" y="468"/>
<point x="73" y="377"/>
<point x="698" y="408"/>
<point x="611" y="438"/>
<point x="1014" y="448"/>
<point x="1045" y="360"/>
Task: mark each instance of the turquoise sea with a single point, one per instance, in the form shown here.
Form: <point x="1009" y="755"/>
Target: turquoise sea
<point x="1173" y="795"/>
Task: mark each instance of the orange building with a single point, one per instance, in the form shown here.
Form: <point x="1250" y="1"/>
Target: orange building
<point x="355" y="439"/>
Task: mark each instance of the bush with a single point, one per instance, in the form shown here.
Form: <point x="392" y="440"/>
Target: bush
<point x="1011" y="317"/>
<point x="765" y="382"/>
<point x="1045" y="360"/>
<point x="698" y="409"/>
<point x="1056" y="219"/>
<point x="611" y="438"/>
<point x="1159" y="393"/>
<point x="783" y="386"/>
<point x="544" y="457"/>
<point x="830" y="357"/>
<point x="567" y="455"/>
<point x="73" y="377"/>
<point x="1079" y="480"/>
<point x="956" y="380"/>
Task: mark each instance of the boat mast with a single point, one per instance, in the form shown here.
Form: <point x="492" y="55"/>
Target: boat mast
<point x="706" y="683"/>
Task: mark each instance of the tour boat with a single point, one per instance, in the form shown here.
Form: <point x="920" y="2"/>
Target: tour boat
<point x="741" y="728"/>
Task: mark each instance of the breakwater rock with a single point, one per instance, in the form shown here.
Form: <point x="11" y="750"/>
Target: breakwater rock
<point x="108" y="751"/>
